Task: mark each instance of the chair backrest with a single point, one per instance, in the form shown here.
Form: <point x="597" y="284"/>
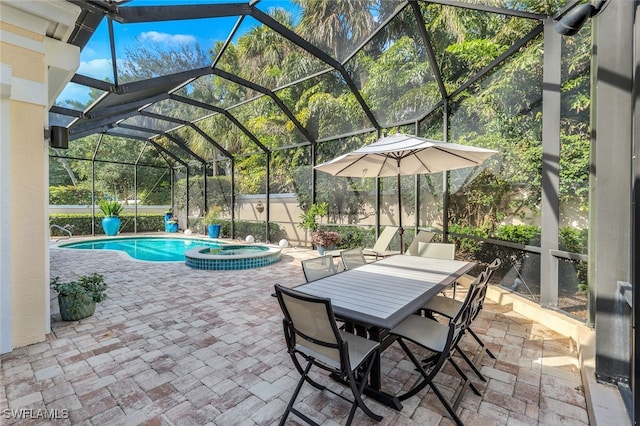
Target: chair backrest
<point x="318" y="267"/>
<point x="471" y="304"/>
<point x="421" y="236"/>
<point x="310" y="327"/>
<point x="491" y="268"/>
<point x="352" y="258"/>
<point x="383" y="241"/>
<point x="437" y="250"/>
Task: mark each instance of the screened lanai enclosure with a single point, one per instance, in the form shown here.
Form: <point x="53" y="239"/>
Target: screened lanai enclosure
<point x="238" y="116"/>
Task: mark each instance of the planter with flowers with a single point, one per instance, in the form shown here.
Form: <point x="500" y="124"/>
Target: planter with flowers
<point x="325" y="240"/>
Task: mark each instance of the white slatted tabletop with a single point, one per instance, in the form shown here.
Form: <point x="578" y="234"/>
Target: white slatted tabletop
<point x="385" y="292"/>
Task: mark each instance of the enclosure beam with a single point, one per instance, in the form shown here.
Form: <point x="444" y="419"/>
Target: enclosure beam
<point x="433" y="61"/>
<point x="139" y="14"/>
<point x="268" y="194"/>
<point x="550" y="210"/>
<point x="223" y="111"/>
<point x="491" y="9"/>
<point x="318" y="53"/>
<point x="246" y="83"/>
<point x="445" y="176"/>
<point x="233" y="196"/>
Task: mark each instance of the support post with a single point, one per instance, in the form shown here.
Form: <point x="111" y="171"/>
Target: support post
<point x="551" y="81"/>
<point x="612" y="130"/>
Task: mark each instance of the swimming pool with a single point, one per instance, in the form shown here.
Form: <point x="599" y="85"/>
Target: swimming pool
<point x="196" y="253"/>
<point x="150" y="249"/>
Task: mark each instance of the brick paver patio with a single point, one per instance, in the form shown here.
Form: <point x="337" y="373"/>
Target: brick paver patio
<point x="174" y="345"/>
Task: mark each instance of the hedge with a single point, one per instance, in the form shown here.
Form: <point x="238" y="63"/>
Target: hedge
<point x="80" y="223"/>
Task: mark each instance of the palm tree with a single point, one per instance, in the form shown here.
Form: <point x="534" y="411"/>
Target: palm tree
<point x="337" y="27"/>
<point x="262" y="51"/>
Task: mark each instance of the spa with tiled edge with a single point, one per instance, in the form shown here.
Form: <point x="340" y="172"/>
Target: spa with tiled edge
<point x="232" y="257"/>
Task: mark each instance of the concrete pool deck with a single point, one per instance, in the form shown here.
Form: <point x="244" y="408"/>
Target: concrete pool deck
<point x="175" y="345"/>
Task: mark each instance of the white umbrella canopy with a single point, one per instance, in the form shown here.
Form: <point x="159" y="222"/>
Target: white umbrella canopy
<point x="399" y="155"/>
<point x="405" y="155"/>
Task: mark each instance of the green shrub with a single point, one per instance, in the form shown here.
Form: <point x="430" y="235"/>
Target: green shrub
<point x="70" y="195"/>
<point x="468" y="246"/>
<point x="521" y="234"/>
<point x="80" y="223"/>
<point x="574" y="240"/>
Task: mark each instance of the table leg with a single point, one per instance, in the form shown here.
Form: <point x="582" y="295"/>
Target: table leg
<point x="374" y="388"/>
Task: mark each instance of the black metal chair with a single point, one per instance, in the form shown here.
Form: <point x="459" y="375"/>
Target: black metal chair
<point x="441" y="340"/>
<point x="449" y="307"/>
<point x="318" y="267"/>
<point x="313" y="337"/>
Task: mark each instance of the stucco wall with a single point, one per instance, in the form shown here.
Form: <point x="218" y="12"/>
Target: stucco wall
<point x="26" y="57"/>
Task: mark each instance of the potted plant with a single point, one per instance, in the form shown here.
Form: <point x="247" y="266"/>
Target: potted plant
<point x="168" y="215"/>
<point x="77" y="299"/>
<point x="171" y="225"/>
<point x="212" y="221"/>
<point x="325" y="240"/>
<point x="111" y="221"/>
<point x="309" y="219"/>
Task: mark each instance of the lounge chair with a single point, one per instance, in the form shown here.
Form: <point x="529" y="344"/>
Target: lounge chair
<point x="381" y="247"/>
<point x="421" y="236"/>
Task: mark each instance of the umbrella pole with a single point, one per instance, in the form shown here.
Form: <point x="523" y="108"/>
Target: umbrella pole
<point x="400" y="230"/>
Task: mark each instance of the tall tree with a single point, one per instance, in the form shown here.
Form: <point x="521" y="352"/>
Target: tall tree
<point x="337" y="27"/>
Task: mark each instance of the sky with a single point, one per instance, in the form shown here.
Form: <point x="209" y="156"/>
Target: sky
<point x="95" y="58"/>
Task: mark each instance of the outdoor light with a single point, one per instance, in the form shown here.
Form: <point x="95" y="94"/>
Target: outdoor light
<point x="59" y="137"/>
<point x="283" y="243"/>
<point x="571" y="23"/>
<point x="250" y="239"/>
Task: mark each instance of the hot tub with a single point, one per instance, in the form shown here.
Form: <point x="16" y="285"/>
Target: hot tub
<point x="232" y="256"/>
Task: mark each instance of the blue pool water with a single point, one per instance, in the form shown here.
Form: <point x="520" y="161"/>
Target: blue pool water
<point x="149" y="249"/>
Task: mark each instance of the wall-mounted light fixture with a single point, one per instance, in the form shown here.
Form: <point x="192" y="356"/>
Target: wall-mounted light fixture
<point x="572" y="21"/>
<point x="58" y="137"/>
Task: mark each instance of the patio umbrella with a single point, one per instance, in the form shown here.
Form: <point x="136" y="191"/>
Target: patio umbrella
<point x="401" y="154"/>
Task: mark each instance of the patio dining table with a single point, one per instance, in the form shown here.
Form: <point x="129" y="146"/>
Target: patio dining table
<point x="381" y="294"/>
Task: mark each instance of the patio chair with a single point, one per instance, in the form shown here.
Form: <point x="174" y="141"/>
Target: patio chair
<point x="318" y="267"/>
<point x="448" y="307"/>
<point x="313" y="338"/>
<point x="437" y="250"/>
<point x="381" y="247"/>
<point x="421" y="236"/>
<point x="352" y="258"/>
<point x="441" y="340"/>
